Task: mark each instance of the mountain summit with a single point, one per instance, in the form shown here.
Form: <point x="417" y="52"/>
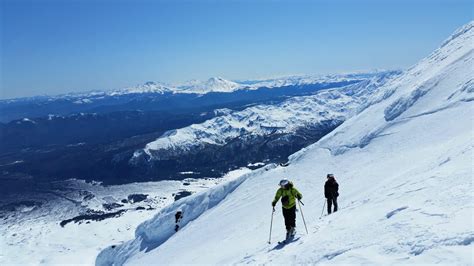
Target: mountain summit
<point x="214" y="84"/>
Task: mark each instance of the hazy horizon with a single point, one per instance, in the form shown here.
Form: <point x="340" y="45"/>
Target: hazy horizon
<point x="55" y="47"/>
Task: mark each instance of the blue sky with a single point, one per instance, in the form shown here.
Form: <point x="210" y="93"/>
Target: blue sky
<point x="51" y="47"/>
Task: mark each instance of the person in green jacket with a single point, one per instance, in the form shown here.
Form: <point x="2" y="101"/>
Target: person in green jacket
<point x="287" y="192"/>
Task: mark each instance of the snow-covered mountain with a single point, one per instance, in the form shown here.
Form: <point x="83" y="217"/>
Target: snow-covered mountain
<point x="404" y="165"/>
<point x="327" y="106"/>
<point x="215" y="84"/>
<point x="147" y="87"/>
<point x="296" y="80"/>
<point x="101" y="133"/>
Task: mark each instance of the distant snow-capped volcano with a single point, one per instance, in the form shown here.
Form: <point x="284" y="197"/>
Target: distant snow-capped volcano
<point x="215" y="84"/>
<point x="147" y="87"/>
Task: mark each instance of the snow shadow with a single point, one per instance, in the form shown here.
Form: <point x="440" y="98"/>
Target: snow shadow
<point x="392" y="213"/>
<point x="281" y="245"/>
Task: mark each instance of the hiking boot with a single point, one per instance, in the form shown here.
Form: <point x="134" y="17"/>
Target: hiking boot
<point x="292" y="231"/>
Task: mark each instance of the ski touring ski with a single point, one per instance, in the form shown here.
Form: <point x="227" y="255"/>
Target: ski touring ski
<point x="288" y="241"/>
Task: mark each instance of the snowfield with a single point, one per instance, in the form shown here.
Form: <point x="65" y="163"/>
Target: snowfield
<point x="405" y="169"/>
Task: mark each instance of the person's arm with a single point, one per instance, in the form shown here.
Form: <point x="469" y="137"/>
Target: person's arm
<point x="277" y="197"/>
<point x="297" y="194"/>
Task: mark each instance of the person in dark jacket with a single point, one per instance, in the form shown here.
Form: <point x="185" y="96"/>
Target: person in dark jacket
<point x="331" y="188"/>
<point x="178" y="216"/>
<point x="288" y="193"/>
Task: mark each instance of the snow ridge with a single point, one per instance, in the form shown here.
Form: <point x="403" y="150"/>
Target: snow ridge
<point x="463" y="30"/>
<point x="448" y="66"/>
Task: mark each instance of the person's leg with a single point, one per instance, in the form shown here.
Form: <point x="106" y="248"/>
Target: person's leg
<point x="329" y="205"/>
<point x="335" y="204"/>
<point x="287" y="216"/>
<point x="293" y="216"/>
<point x="293" y="221"/>
<point x="288" y="221"/>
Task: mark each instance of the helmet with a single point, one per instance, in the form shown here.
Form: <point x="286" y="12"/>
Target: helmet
<point x="284" y="182"/>
<point x="330" y="175"/>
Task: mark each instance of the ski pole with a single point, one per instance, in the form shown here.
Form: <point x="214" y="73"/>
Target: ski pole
<point x="271" y="224"/>
<point x="324" y="205"/>
<point x="302" y="216"/>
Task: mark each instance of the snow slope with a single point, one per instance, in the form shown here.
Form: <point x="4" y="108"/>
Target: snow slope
<point x="405" y="169"/>
<point x="33" y="235"/>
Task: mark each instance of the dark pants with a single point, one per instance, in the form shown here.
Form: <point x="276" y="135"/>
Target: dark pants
<point x="330" y="202"/>
<point x="290" y="217"/>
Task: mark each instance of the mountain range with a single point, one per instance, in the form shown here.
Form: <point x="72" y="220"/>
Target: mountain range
<point x="105" y="132"/>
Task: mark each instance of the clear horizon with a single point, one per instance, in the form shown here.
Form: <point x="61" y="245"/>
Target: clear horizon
<point x="56" y="47"/>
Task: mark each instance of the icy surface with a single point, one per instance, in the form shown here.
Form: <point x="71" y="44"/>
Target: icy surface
<point x="404" y="165"/>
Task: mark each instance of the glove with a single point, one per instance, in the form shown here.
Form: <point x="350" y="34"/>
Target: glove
<point x="273" y="204"/>
<point x="298" y="197"/>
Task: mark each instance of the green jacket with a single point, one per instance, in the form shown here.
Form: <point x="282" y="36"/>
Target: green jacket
<point x="291" y="193"/>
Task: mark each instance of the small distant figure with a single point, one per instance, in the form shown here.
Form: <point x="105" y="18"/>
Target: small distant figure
<point x="331" y="188"/>
<point x="178" y="216"/>
<point x="287" y="192"/>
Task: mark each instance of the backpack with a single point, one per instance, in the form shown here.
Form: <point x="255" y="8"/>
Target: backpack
<point x="285" y="200"/>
